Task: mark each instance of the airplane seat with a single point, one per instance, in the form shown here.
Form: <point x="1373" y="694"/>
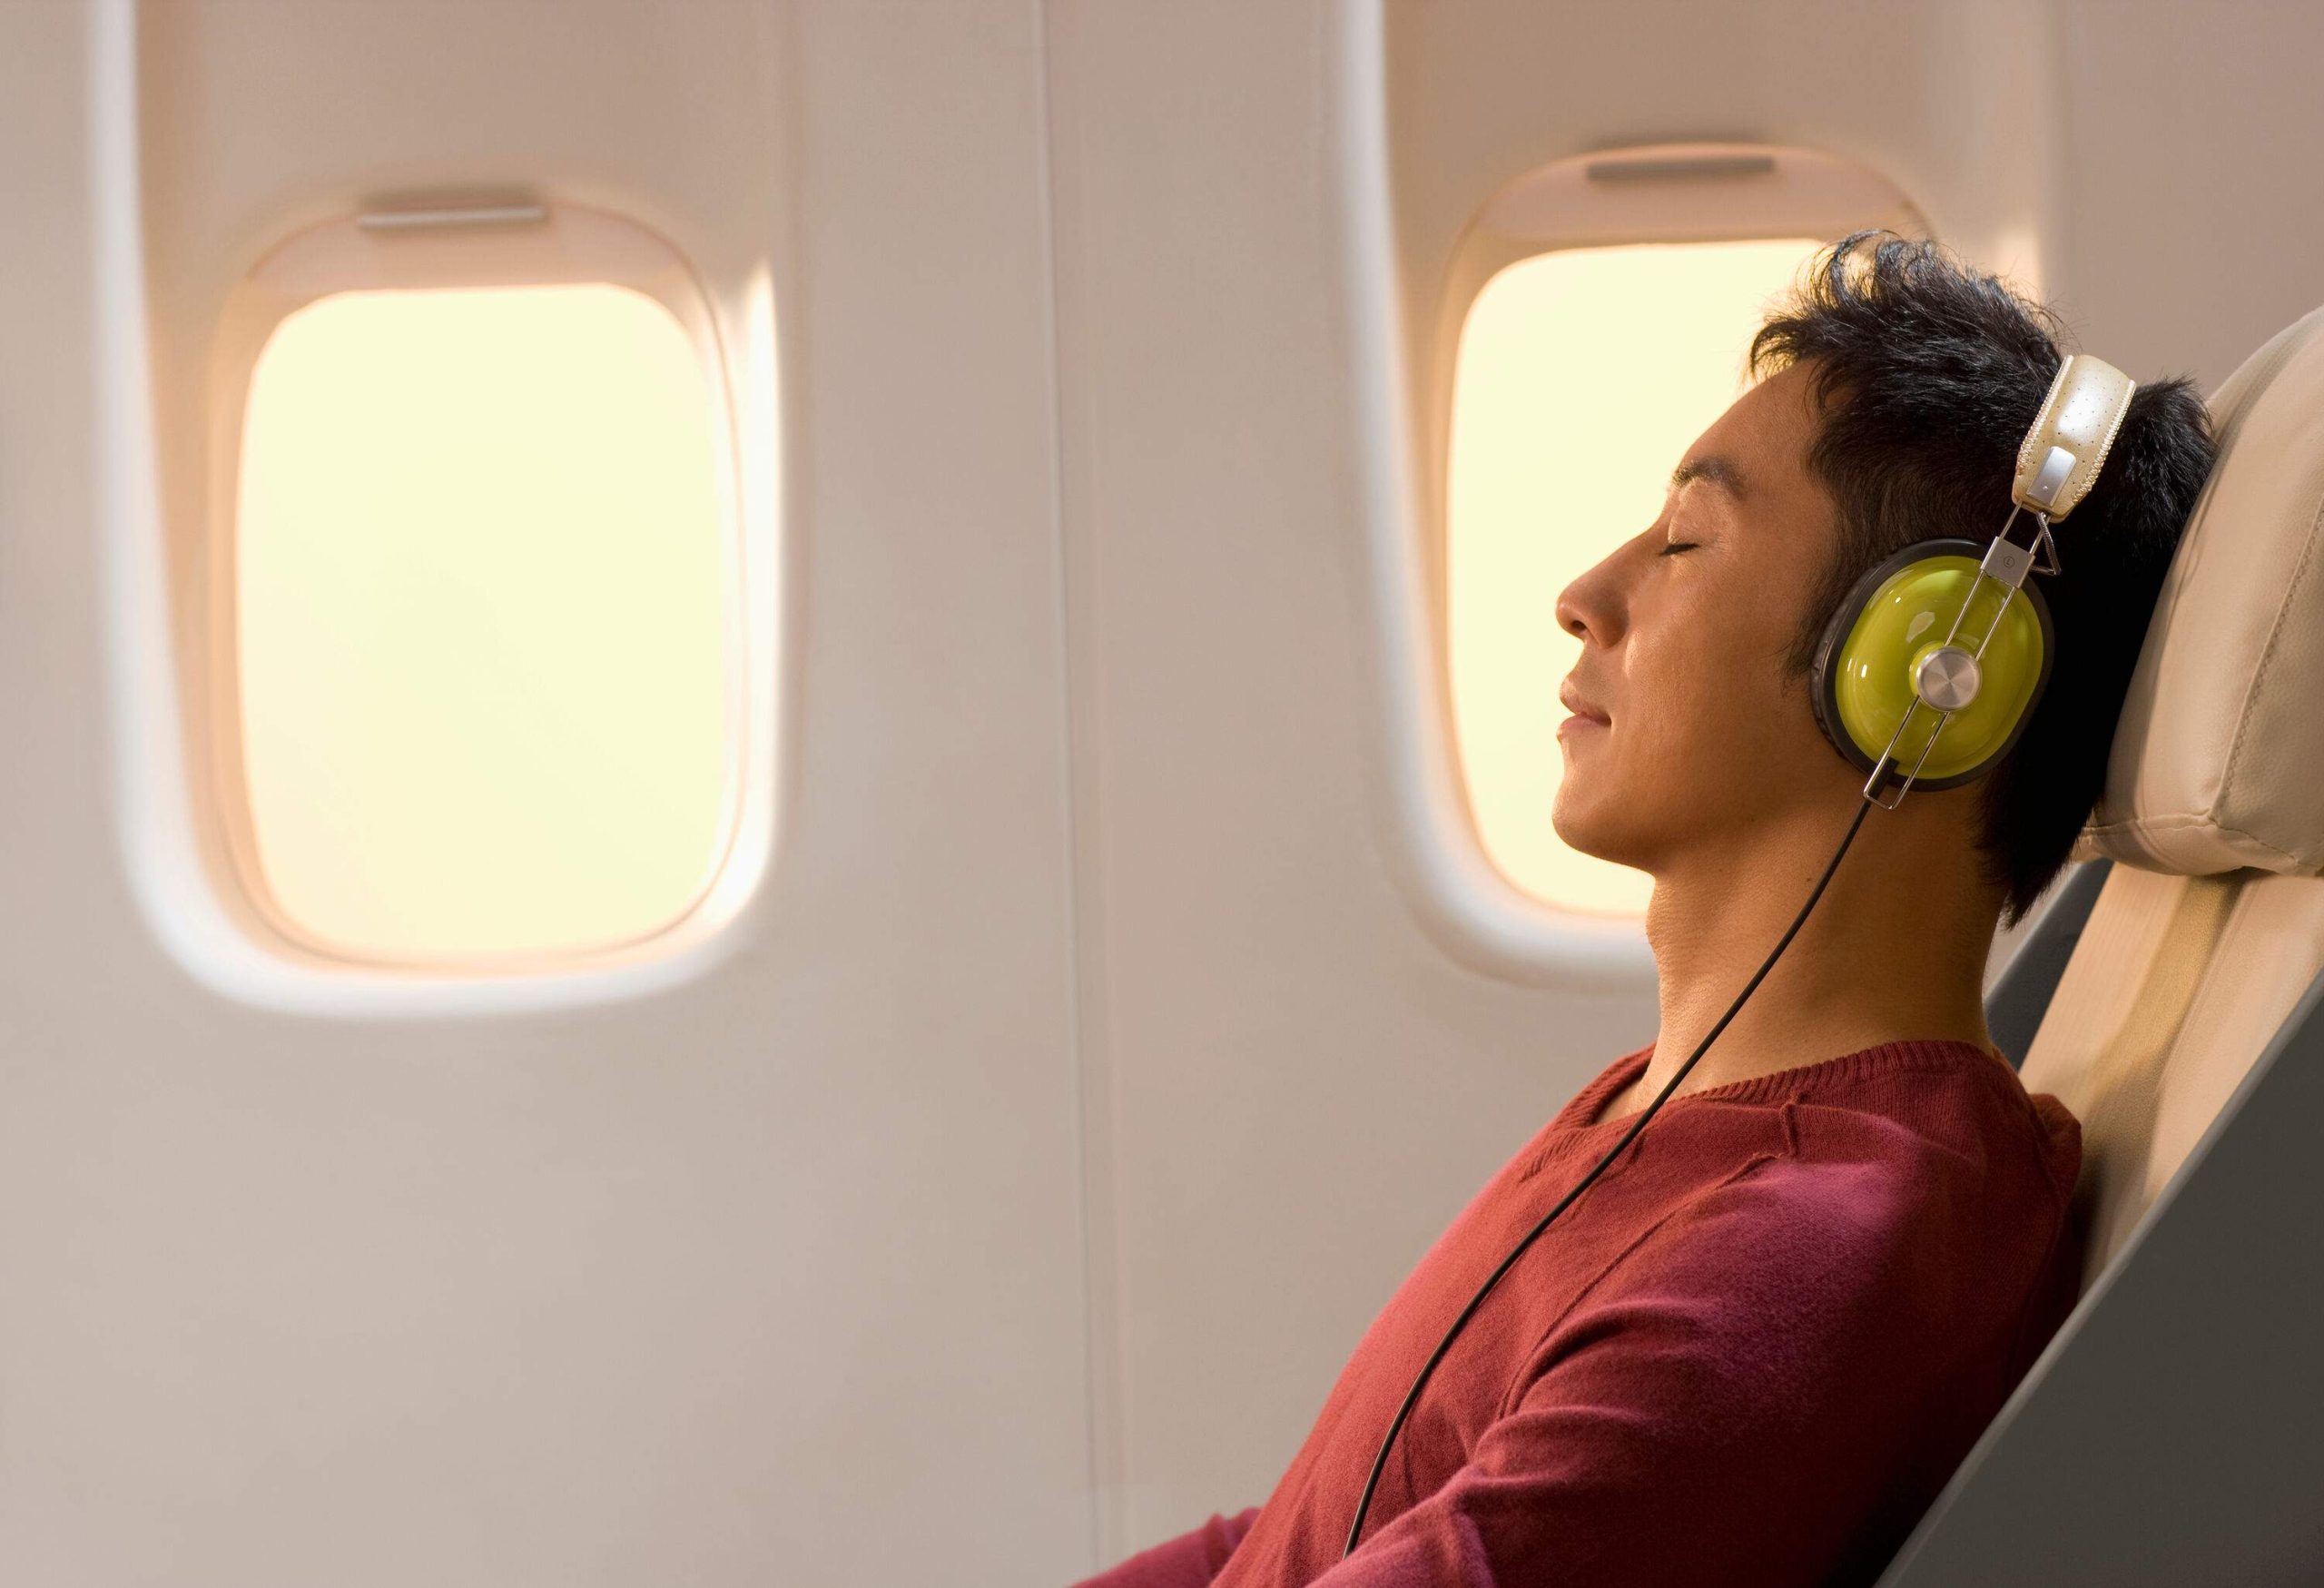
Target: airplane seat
<point x="2209" y="925"/>
<point x="2167" y="1434"/>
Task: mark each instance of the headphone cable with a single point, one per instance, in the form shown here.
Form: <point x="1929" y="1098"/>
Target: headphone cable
<point x="1380" y="1460"/>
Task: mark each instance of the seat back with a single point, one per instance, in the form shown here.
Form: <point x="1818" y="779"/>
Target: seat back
<point x="2177" y="984"/>
<point x="2211" y="925"/>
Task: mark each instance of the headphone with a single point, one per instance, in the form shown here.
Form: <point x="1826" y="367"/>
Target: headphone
<point x="1880" y="662"/>
<point x="1881" y="665"/>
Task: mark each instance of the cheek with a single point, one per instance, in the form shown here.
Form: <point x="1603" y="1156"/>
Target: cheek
<point x="1719" y="696"/>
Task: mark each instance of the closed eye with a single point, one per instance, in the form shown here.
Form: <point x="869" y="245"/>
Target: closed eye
<point x="1678" y="546"/>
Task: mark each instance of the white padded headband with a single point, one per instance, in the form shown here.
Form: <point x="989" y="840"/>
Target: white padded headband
<point x="2069" y="438"/>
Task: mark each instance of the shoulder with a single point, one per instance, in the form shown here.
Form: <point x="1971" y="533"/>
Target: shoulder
<point x="1951" y="1123"/>
<point x="1792" y="1291"/>
<point x="1827" y="1223"/>
<point x="1926" y="1183"/>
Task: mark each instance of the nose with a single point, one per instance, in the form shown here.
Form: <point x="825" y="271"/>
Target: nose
<point x="1589" y="608"/>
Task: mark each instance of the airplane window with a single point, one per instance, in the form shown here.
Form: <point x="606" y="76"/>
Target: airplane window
<point x="1581" y="376"/>
<point x="481" y="622"/>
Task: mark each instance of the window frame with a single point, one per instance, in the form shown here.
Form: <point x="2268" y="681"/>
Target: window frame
<point x="436" y="242"/>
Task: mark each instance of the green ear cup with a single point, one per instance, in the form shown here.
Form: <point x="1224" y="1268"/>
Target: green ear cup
<point x="1897" y="614"/>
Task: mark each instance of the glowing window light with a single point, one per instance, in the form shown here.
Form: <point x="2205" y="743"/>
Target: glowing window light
<point x="481" y="622"/>
<point x="1582" y="377"/>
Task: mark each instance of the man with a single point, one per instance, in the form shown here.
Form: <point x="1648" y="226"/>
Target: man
<point x="1757" y="1347"/>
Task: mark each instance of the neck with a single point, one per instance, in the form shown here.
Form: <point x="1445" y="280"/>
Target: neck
<point x="1894" y="949"/>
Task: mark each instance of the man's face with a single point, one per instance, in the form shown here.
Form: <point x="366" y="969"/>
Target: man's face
<point x="1684" y="629"/>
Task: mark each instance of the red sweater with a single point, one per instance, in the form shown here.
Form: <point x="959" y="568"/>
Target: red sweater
<point x="1752" y="1354"/>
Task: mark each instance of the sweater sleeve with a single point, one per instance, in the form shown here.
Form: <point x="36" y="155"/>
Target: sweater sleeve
<point x="1188" y="1561"/>
<point x="1727" y="1407"/>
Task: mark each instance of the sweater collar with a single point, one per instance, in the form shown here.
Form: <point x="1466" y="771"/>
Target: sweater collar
<point x="1923" y="1053"/>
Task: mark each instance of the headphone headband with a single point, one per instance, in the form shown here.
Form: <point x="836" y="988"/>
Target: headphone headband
<point x="2069" y="438"/>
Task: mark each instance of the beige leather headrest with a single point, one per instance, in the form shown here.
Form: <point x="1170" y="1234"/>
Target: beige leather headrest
<point x="2218" y="760"/>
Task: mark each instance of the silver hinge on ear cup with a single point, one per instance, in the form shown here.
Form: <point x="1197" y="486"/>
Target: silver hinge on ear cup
<point x="2007" y="560"/>
<point x="2045" y="543"/>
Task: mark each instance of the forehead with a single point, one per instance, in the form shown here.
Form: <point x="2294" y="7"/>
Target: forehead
<point x="1763" y="437"/>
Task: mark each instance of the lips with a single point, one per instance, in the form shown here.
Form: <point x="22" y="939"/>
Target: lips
<point x="1574" y="701"/>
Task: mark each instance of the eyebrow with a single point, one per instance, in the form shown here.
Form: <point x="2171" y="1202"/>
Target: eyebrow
<point x="1714" y="469"/>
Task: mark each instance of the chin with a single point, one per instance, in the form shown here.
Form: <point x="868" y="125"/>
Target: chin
<point x="1571" y="820"/>
<point x="1594" y="826"/>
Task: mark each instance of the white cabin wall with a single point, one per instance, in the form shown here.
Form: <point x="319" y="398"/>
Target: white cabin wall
<point x="1948" y="101"/>
<point x="772" y="1274"/>
<point x="2190" y="231"/>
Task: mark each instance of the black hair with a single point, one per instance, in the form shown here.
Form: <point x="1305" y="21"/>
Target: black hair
<point x="1926" y="375"/>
